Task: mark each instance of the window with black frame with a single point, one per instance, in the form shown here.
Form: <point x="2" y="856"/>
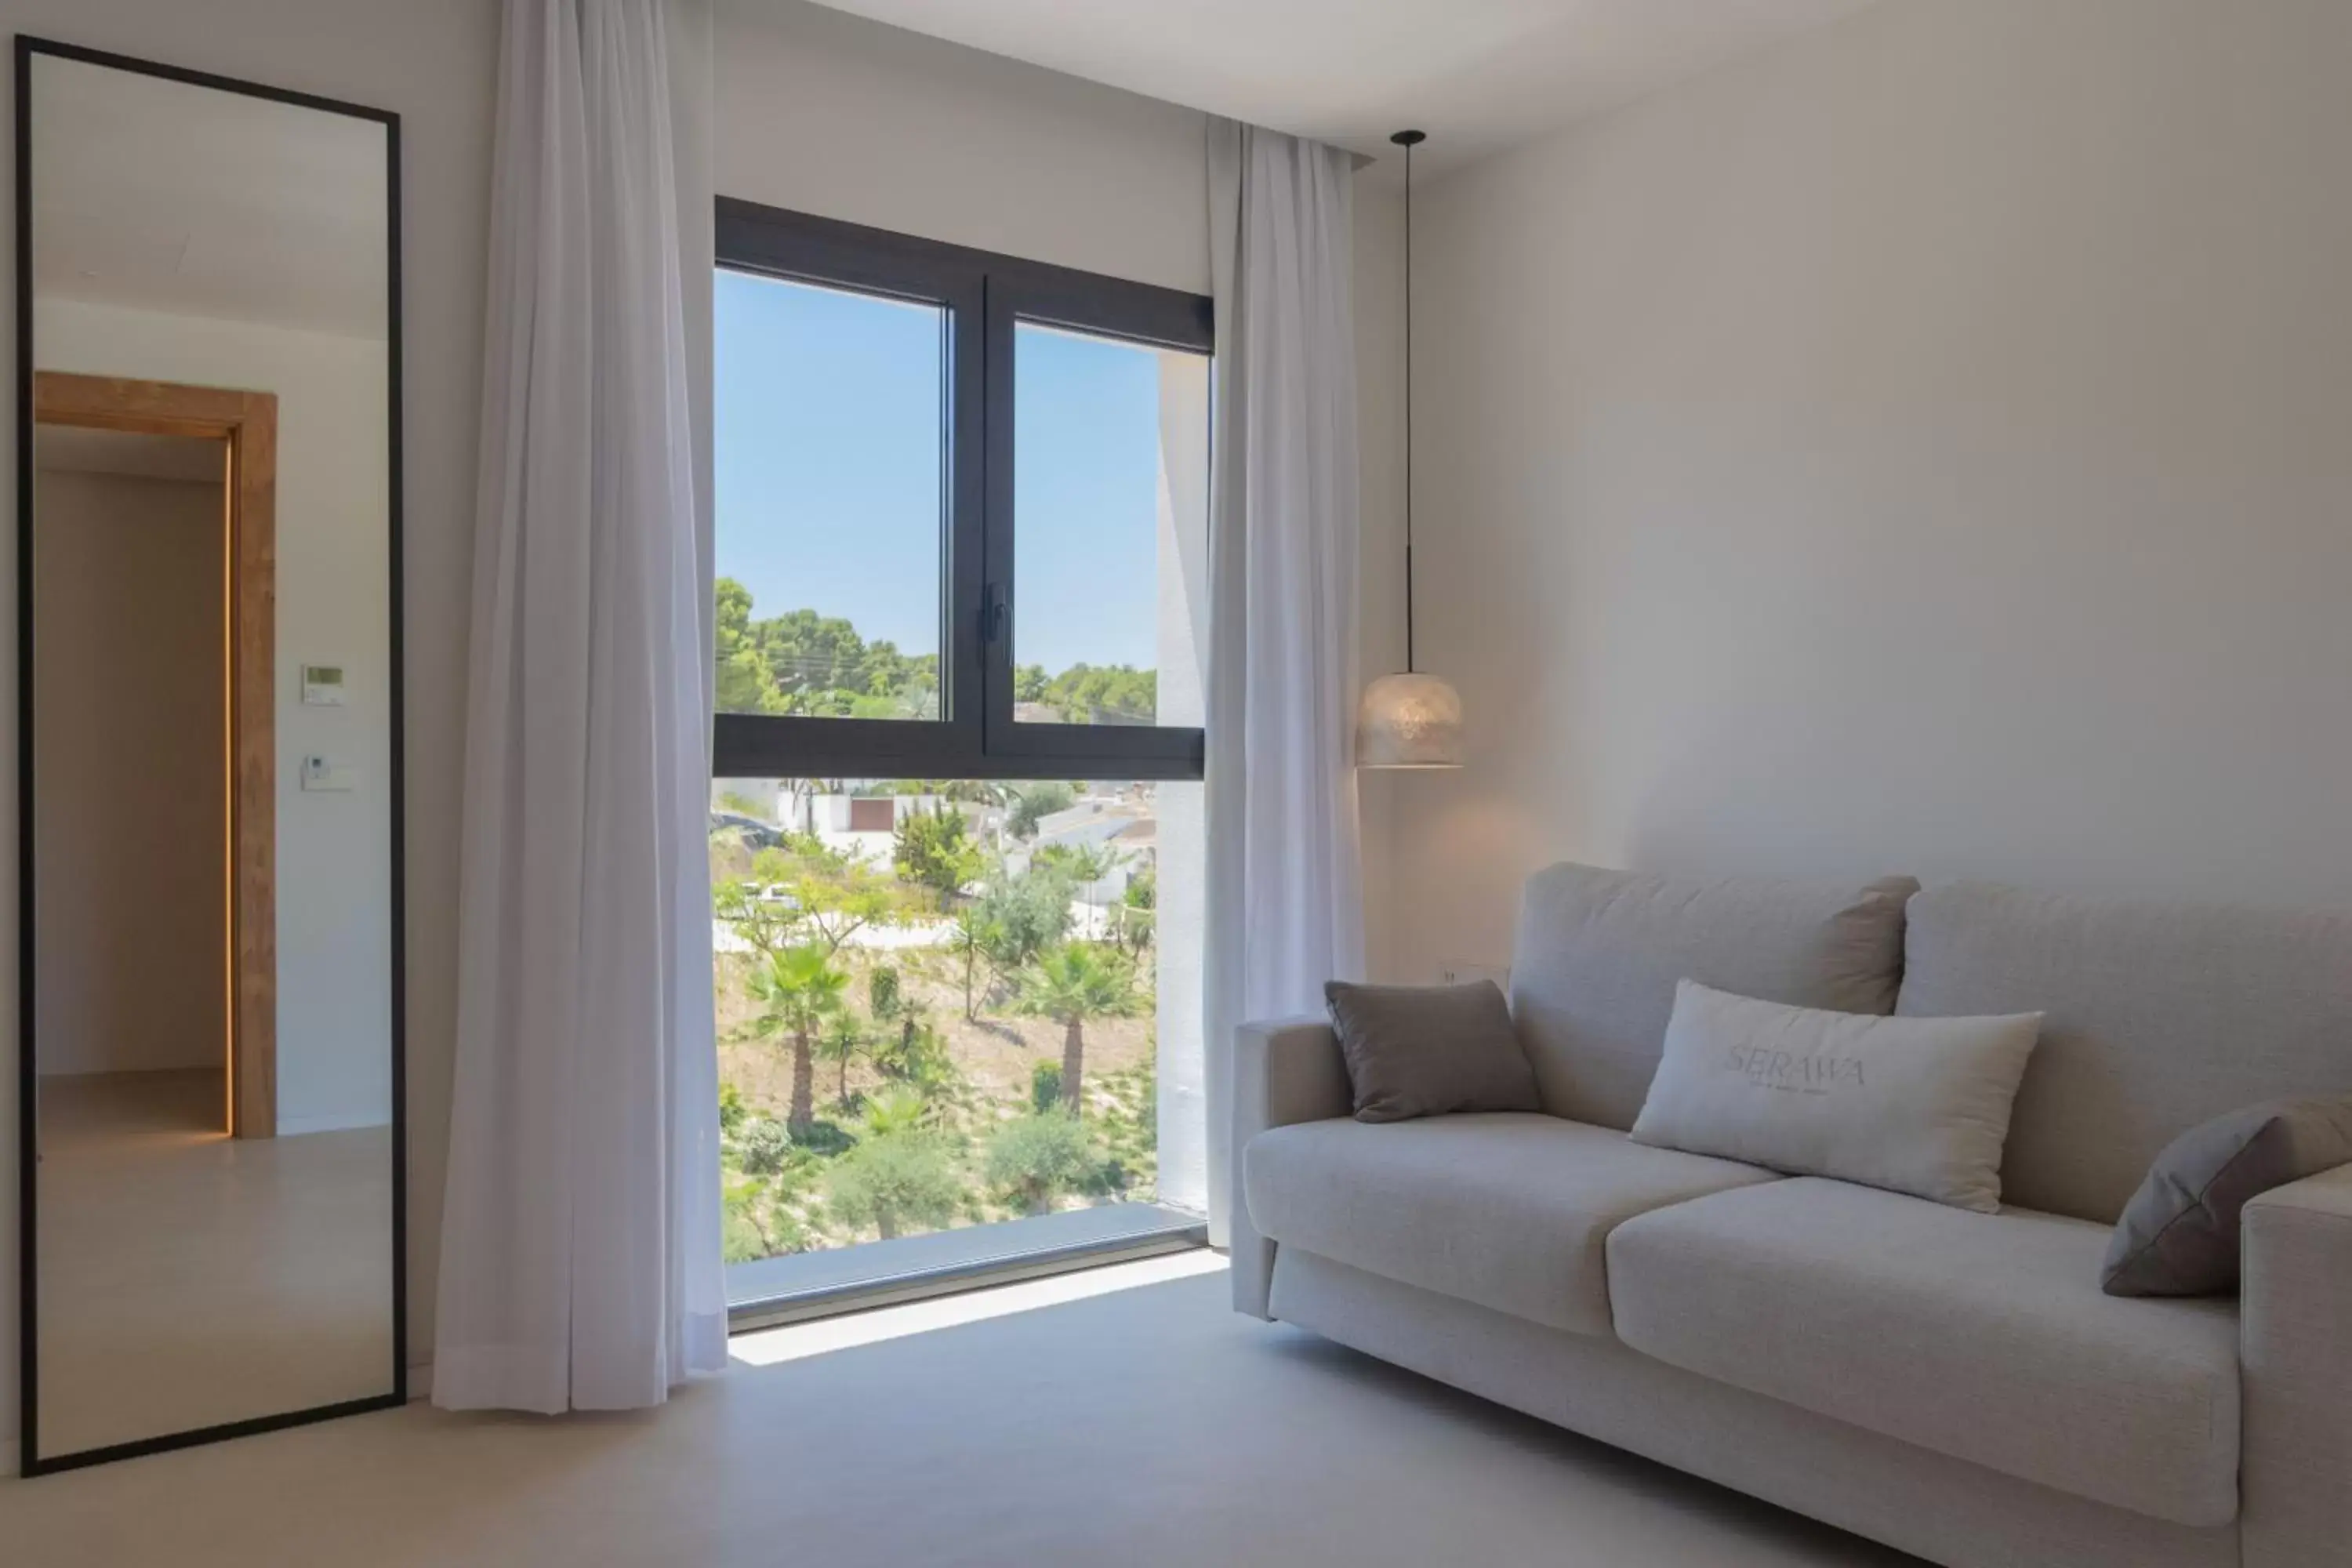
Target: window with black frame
<point x="961" y="509"/>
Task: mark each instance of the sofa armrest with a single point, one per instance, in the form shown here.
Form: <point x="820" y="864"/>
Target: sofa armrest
<point x="2295" y="1351"/>
<point x="1285" y="1070"/>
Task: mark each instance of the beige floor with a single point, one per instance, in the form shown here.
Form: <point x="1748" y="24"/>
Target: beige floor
<point x="1144" y="1428"/>
<point x="188" y="1279"/>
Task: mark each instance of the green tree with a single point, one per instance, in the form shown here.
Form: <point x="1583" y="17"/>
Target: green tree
<point x="1037" y="803"/>
<point x="1104" y="694"/>
<point x="882" y="992"/>
<point x="1014" y="919"/>
<point x="917" y="1054"/>
<point x="842" y="1042"/>
<point x="934" y="850"/>
<point x="967" y="942"/>
<point x="898" y="1179"/>
<point x="744" y="683"/>
<point x="803" y="890"/>
<point x="1071" y="983"/>
<point x="1044" y="1086"/>
<point x="1084" y="865"/>
<point x="1138" y="913"/>
<point x="1034" y="1159"/>
<point x="798" y="990"/>
<point x="897" y="1110"/>
<point x="765" y="924"/>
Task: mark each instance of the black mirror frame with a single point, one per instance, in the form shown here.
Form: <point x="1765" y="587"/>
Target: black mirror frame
<point x="31" y="1460"/>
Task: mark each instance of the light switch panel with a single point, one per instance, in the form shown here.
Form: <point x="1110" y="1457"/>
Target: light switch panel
<point x="321" y="776"/>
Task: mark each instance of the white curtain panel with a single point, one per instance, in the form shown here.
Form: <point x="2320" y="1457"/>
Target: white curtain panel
<point x="1285" y="889"/>
<point x="580" y="1249"/>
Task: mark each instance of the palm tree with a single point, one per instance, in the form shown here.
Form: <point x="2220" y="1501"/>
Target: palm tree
<point x="897" y="1110"/>
<point x="1073" y="982"/>
<point x="840" y="1045"/>
<point x="799" y="991"/>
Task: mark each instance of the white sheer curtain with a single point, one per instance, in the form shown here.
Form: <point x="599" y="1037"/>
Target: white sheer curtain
<point x="1286" y="904"/>
<point x="580" y="1252"/>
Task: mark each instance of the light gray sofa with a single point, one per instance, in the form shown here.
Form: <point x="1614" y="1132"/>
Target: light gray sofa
<point x="1955" y="1384"/>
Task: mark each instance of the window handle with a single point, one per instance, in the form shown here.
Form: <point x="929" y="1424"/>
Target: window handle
<point x="992" y="611"/>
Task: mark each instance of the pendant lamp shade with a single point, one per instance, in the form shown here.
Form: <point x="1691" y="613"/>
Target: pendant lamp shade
<point x="1409" y="720"/>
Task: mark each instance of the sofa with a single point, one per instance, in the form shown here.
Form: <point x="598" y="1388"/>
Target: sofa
<point x="1952" y="1383"/>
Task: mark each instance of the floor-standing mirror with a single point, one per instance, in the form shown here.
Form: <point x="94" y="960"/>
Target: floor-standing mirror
<point x="209" y="656"/>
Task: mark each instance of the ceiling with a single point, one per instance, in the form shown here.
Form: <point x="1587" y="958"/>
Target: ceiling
<point x="1477" y="75"/>
<point x="161" y="195"/>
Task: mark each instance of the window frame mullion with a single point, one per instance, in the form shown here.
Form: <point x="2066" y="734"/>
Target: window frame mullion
<point x="983" y="296"/>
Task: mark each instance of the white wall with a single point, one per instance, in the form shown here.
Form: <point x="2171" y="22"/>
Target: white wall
<point x="819" y="112"/>
<point x="333" y="607"/>
<point x="433" y="61"/>
<point x="1922" y="447"/>
<point x="133" y="802"/>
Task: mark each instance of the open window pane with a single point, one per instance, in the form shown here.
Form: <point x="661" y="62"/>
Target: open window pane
<point x="1109" y="529"/>
<point x="830" y="500"/>
<point x="945" y="1005"/>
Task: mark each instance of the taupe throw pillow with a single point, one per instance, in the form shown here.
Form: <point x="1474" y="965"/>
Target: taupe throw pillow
<point x="1425" y="1050"/>
<point x="2178" y="1235"/>
<point x="1916" y="1105"/>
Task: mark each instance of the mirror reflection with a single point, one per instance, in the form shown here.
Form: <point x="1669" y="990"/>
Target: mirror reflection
<point x="213" y="887"/>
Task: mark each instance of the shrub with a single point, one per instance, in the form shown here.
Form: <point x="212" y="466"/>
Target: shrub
<point x="756" y="1225"/>
<point x="1044" y="1086"/>
<point x="1035" y="1159"/>
<point x="918" y="1055"/>
<point x="882" y="992"/>
<point x="895" y="1110"/>
<point x="898" y="1179"/>
<point x="762" y="1145"/>
<point x="826" y="1138"/>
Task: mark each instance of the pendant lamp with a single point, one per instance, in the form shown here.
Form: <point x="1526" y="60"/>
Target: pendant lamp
<point x="1412" y="720"/>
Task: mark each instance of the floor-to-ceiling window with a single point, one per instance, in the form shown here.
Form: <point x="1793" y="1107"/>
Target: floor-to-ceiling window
<point x="955" y="815"/>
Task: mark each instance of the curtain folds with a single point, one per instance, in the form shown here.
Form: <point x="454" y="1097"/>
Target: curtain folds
<point x="580" y="1254"/>
<point x="1285" y="894"/>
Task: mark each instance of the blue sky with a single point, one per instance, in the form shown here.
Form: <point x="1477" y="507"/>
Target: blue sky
<point x="828" y="469"/>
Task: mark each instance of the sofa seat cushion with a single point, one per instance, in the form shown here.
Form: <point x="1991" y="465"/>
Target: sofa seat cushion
<point x="1510" y="1210"/>
<point x="1984" y="1337"/>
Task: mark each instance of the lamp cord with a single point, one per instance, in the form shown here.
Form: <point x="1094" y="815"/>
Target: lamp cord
<point x="1408" y="408"/>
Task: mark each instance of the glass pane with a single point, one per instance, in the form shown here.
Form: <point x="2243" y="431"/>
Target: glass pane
<point x="1110" y="530"/>
<point x="948" y="1005"/>
<point x="829" y="501"/>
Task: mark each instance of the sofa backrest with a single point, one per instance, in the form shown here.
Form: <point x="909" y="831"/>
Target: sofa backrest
<point x="2159" y="1016"/>
<point x="1592" y="981"/>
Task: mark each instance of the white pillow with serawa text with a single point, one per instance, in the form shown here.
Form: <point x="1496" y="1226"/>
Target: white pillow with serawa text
<point x="1916" y="1105"/>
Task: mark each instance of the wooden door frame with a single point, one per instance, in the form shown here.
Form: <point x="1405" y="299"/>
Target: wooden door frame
<point x="248" y="422"/>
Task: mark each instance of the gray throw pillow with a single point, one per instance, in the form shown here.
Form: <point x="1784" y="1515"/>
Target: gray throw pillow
<point x="1425" y="1050"/>
<point x="2178" y="1235"/>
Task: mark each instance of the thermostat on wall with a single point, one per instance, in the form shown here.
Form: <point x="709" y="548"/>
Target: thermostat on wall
<point x="323" y="685"/>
